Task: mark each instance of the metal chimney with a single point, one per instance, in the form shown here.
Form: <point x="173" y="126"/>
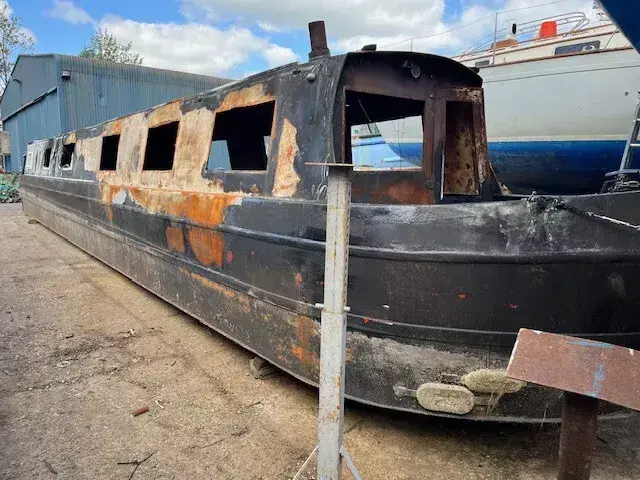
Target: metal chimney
<point x="318" y="37"/>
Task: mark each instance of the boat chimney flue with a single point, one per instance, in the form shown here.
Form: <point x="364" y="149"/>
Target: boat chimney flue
<point x="318" y="38"/>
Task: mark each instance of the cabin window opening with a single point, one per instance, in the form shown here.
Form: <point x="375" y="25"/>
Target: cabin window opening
<point x="161" y="147"/>
<point x="241" y="138"/>
<point x="67" y="155"/>
<point x="109" y="154"/>
<point x="46" y="162"/>
<point x="385" y="133"/>
<point x="460" y="169"/>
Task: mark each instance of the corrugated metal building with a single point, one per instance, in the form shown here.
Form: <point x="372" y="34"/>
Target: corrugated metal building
<point x="50" y="94"/>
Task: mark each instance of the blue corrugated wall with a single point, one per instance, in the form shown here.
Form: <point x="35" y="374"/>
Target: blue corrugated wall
<point x="95" y="92"/>
<point x="40" y="120"/>
<point x="99" y="91"/>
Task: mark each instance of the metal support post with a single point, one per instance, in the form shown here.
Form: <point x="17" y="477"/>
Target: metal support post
<point x="577" y="436"/>
<point x="334" y="327"/>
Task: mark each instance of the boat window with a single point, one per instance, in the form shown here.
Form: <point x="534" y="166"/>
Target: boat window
<point x="67" y="155"/>
<point x="241" y="138"/>
<point x="578" y="48"/>
<point x="46" y="163"/>
<point x="385" y="132"/>
<point x="109" y="155"/>
<point x="483" y="63"/>
<point x="161" y="146"/>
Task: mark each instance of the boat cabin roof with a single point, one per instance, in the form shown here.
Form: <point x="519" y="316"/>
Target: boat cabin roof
<point x="270" y="133"/>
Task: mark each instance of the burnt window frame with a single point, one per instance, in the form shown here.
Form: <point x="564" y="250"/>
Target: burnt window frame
<point x="46" y="158"/>
<point x="145" y="167"/>
<point x="207" y="173"/>
<point x="117" y="150"/>
<point x="434" y="93"/>
<point x="348" y="150"/>
<point x="430" y="134"/>
<point x="64" y="151"/>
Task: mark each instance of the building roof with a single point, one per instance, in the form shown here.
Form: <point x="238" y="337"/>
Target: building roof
<point x="44" y="72"/>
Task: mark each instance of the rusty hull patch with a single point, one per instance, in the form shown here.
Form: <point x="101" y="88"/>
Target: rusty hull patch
<point x="167" y="113"/>
<point x="306" y="335"/>
<point x="460" y="173"/>
<point x="245" y="97"/>
<point x="286" y="178"/>
<point x="387" y="188"/>
<point x="175" y="239"/>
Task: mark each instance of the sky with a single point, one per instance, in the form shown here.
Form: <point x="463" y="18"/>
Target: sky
<point x="235" y="38"/>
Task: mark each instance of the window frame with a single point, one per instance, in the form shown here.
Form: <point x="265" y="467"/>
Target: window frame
<point x="146" y="147"/>
<point x="72" y="156"/>
<point x="217" y="173"/>
<point x="47" y="157"/>
<point x="115" y="167"/>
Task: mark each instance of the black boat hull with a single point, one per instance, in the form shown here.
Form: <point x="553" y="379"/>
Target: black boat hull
<point x="428" y="314"/>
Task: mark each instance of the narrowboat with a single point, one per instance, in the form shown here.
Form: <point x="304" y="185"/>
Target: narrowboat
<point x="217" y="204"/>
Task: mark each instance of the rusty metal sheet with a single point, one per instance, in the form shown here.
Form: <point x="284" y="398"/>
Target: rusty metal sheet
<point x="595" y="369"/>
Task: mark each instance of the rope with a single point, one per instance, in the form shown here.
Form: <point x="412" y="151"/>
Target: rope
<point x="561" y="205"/>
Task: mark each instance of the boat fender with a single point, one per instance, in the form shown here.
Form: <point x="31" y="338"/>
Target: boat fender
<point x="441" y="397"/>
<point x="492" y="381"/>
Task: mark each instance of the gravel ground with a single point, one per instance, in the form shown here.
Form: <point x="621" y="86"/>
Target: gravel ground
<point x="82" y="348"/>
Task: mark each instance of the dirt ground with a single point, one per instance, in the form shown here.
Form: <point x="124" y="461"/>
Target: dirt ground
<point x="82" y="347"/>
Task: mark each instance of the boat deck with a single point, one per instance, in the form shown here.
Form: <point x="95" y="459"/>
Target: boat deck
<point x="83" y="347"/>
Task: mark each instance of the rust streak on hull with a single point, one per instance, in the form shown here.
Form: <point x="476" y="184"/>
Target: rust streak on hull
<point x="175" y="239"/>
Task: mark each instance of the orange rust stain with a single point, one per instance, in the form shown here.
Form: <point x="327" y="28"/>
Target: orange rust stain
<point x="229" y="256"/>
<point x="286" y="178"/>
<point x="462" y="296"/>
<point x="215" y="286"/>
<point x="207" y="245"/>
<point x="207" y="209"/>
<point x="348" y="355"/>
<point x="306" y="329"/>
<point x="175" y="239"/>
<point x="460" y="172"/>
<point x="70" y="138"/>
<point x="298" y="279"/>
<point x="365" y="320"/>
<point x="405" y="192"/>
<point x="113" y="128"/>
<point x="107" y="194"/>
<point x="245" y="97"/>
<point x="163" y="114"/>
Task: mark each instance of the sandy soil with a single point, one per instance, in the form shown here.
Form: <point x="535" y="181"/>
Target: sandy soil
<point x="82" y="347"/>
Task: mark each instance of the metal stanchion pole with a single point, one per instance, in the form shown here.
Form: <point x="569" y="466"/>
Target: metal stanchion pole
<point x="333" y="329"/>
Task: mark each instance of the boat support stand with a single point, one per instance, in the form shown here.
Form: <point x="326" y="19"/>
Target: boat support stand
<point x="333" y="330"/>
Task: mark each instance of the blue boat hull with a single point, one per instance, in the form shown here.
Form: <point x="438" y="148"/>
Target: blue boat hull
<point x="576" y="166"/>
<point x="554" y="167"/>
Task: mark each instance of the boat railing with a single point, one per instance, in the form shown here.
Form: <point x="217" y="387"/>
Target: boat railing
<point x="527" y="32"/>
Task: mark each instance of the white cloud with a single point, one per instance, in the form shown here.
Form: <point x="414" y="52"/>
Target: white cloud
<point x="69" y="12"/>
<point x="354" y="23"/>
<point x="6" y="9"/>
<point x="278" y="55"/>
<point x="269" y="28"/>
<point x="195" y="47"/>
